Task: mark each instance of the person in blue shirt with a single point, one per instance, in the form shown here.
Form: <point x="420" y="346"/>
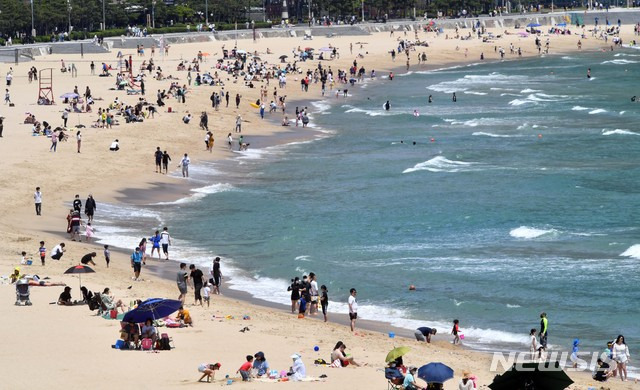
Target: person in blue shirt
<point x="410" y="381"/>
<point x="260" y="364"/>
<point x="136" y="263"/>
<point x="155" y="240"/>
<point x="574" y="353"/>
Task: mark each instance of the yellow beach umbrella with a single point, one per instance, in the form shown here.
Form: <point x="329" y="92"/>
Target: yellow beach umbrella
<point x="396" y="353"/>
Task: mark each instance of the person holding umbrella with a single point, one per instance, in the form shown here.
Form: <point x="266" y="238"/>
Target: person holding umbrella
<point x="410" y="380"/>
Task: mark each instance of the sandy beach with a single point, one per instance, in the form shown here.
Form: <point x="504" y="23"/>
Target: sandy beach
<point x="71" y="346"/>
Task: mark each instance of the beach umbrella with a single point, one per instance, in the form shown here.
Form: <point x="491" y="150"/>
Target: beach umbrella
<point x="152" y="308"/>
<point x="257" y="58"/>
<point x="435" y="373"/>
<point x="326" y="49"/>
<point x="396" y="353"/>
<point x="283" y="57"/>
<point x="241" y="51"/>
<point x="69" y="95"/>
<point x="533" y="25"/>
<point x="80" y="269"/>
<point x="547" y="376"/>
<point x="561" y="25"/>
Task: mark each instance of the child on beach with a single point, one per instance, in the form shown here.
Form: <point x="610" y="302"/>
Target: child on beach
<point x="302" y="308"/>
<point x="42" y="251"/>
<point x="533" y="345"/>
<point x="324" y="301"/>
<point x="456" y="332"/>
<point x="107" y="255"/>
<point x="184" y="316"/>
<point x="88" y="232"/>
<point x="208" y="371"/>
<point x="245" y="369"/>
<point x="574" y="353"/>
<point x="206" y="293"/>
<point x="24" y="259"/>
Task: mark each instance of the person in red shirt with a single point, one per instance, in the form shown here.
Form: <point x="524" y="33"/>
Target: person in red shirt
<point x="245" y="369"/>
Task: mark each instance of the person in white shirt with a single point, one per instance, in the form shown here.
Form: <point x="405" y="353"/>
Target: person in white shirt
<point x="313" y="290"/>
<point x="184" y="163"/>
<point x="353" y="308"/>
<point x="58" y="251"/>
<point x="298" y="368"/>
<point x="37" y="199"/>
<point x="114" y="146"/>
<point x="622" y="356"/>
<point x="206" y="293"/>
<point x="465" y="383"/>
<point x="165" y="240"/>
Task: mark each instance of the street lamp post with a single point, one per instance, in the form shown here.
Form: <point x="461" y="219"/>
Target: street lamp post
<point x="33" y="30"/>
<point x="206" y="13"/>
<point x="69" y="9"/>
<point x="153" y="14"/>
<point x="362" y="11"/>
<point x="104" y="23"/>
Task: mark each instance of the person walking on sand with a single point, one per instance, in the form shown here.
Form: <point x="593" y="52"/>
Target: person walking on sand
<point x="197" y="277"/>
<point x="165" y="240"/>
<point x="37" y="199"/>
<point x="353" y="308"/>
<point x="184" y="163"/>
<point x="79" y="140"/>
<point x="455" y="331"/>
<point x="165" y="161"/>
<point x="313" y="291"/>
<point x="533" y="344"/>
<point x="1" y="125"/>
<point x="238" y="124"/>
<point x="622" y="356"/>
<point x="181" y="280"/>
<point x="158" y="156"/>
<point x="7" y="97"/>
<point x="155" y="243"/>
<point x="324" y="301"/>
<point x="216" y="275"/>
<point x="238" y="100"/>
<point x="136" y="263"/>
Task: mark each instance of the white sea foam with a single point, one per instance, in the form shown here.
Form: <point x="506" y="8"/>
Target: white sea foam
<point x="597" y="111"/>
<point x="579" y="108"/>
<point x="475" y="93"/>
<point x="529" y="90"/>
<point x="513" y="306"/>
<point x="467" y="82"/>
<point x="619" y="62"/>
<point x="482" y="133"/>
<point x="199" y="193"/>
<point x="621" y="112"/>
<point x="441" y="164"/>
<point x="633" y="252"/>
<point x="529" y="232"/>
<point x="321" y="107"/>
<point x="619" y="132"/>
<point x="379" y="112"/>
<point x="303" y="258"/>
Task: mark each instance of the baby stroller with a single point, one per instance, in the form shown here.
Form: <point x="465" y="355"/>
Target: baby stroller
<point x="22" y="293"/>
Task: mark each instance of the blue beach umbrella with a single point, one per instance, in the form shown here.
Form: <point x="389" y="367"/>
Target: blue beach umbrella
<point x="561" y="25"/>
<point x="69" y="95"/>
<point x="152" y="308"/>
<point x="435" y="373"/>
<point x="533" y="25"/>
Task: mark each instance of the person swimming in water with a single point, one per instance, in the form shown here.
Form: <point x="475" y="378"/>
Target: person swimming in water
<point x="454" y="98"/>
<point x="430" y="98"/>
<point x="387" y="105"/>
<point x="589" y="73"/>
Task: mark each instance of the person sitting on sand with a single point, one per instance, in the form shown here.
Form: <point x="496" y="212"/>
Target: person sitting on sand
<point x="409" y="382"/>
<point x="208" y="370"/>
<point x="298" y="369"/>
<point x="184" y="316"/>
<point x="130" y="332"/>
<point x="110" y="302"/>
<point x="245" y="369"/>
<point x="149" y="331"/>
<point x="339" y="355"/>
<point x="260" y="365"/>
<point x="65" y="297"/>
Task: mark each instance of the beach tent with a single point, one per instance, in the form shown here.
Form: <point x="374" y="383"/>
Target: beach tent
<point x="543" y="376"/>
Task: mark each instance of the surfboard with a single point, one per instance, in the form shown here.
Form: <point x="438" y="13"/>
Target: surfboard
<point x="254" y="105"/>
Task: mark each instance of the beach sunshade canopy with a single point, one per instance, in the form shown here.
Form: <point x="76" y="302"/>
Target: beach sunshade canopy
<point x="326" y="49"/>
<point x="283" y="57"/>
<point x="561" y="25"/>
<point x="206" y="54"/>
<point x="523" y="34"/>
<point x="396" y="353"/>
<point x="533" y="25"/>
<point x="308" y="49"/>
<point x="547" y="376"/>
<point x="435" y="373"/>
<point x="241" y="51"/>
<point x="152" y="308"/>
<point x="362" y="43"/>
<point x="69" y="95"/>
<point x="80" y="269"/>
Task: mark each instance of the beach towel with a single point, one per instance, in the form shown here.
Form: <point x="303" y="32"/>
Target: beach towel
<point x="336" y="364"/>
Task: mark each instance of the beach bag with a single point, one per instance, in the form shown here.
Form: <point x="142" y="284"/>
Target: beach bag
<point x="319" y="361"/>
<point x="113" y="314"/>
<point x="147" y="344"/>
<point x="119" y="344"/>
<point x="164" y="344"/>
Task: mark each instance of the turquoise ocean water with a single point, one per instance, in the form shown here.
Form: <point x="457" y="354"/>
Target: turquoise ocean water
<point x="526" y="200"/>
